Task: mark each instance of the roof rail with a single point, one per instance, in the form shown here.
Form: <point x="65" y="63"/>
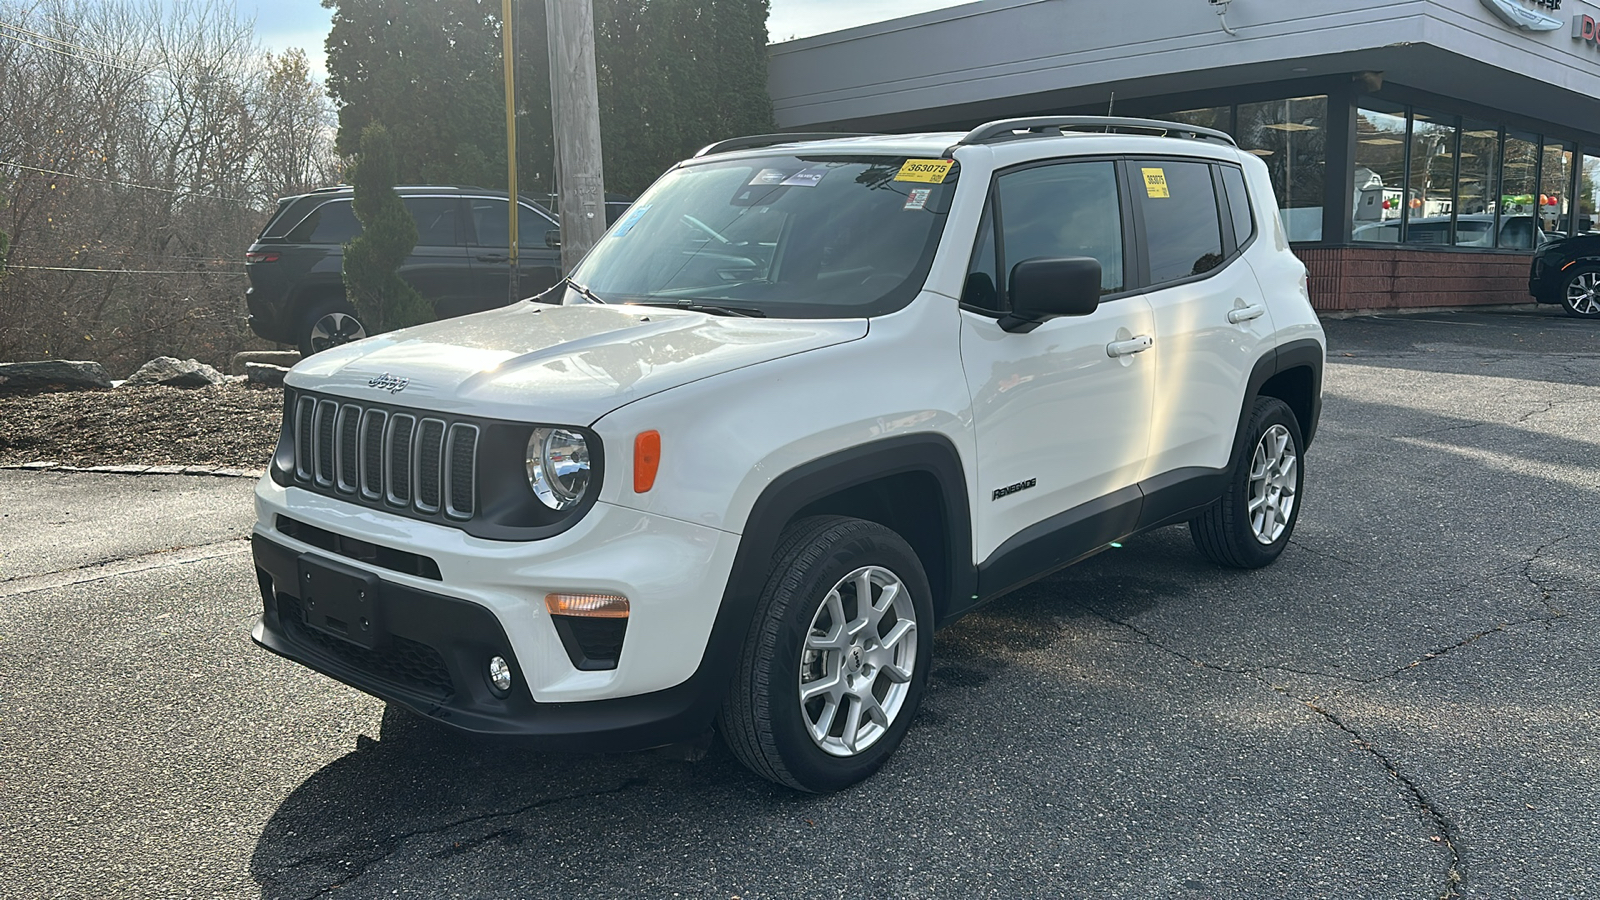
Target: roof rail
<point x="1053" y="125"/>
<point x="766" y="140"/>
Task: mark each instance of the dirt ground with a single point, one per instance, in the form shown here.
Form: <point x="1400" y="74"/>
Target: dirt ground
<point x="232" y="425"/>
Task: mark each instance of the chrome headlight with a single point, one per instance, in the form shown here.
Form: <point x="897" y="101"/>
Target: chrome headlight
<point x="558" y="466"/>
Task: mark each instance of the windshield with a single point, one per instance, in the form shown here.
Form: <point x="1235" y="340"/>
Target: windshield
<point x="790" y="236"/>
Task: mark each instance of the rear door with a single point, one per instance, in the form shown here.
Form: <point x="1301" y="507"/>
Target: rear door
<point x="439" y="266"/>
<point x="539" y="266"/>
<point x="1196" y="223"/>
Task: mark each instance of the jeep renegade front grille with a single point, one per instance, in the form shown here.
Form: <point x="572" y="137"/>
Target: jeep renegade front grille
<point x="420" y="462"/>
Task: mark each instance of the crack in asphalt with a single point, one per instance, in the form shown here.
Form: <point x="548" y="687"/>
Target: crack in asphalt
<point x="1446" y="830"/>
<point x="1455" y="875"/>
<point x="391" y="846"/>
<point x="1447" y="833"/>
<point x="128" y="565"/>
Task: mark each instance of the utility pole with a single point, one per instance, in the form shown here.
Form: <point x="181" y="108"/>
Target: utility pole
<point x="575" y="108"/>
<point x="508" y="33"/>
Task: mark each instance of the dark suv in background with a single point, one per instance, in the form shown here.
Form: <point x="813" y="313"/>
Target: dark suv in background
<point x="461" y="262"/>
<point x="1567" y="271"/>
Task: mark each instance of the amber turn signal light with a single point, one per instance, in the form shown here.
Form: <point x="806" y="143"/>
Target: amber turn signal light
<point x="587" y="606"/>
<point x="646" y="459"/>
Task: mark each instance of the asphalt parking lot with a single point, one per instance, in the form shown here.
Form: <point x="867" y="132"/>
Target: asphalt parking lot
<point x="1403" y="706"/>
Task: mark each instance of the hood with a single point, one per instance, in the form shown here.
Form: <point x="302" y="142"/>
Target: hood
<point x="558" y="364"/>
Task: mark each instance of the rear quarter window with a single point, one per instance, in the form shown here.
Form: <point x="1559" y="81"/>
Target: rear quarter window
<point x="333" y="222"/>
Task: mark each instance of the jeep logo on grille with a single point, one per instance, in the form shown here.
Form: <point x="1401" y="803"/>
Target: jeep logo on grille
<point x="390" y="383"/>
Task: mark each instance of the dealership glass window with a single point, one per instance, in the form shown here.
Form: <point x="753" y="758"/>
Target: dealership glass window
<point x="1589" y="195"/>
<point x="1218" y="117"/>
<point x="1380" y="172"/>
<point x="1431" y="195"/>
<point x="1478" y="186"/>
<point x="1555" y="189"/>
<point x="1290" y="136"/>
<point x="1519" y="190"/>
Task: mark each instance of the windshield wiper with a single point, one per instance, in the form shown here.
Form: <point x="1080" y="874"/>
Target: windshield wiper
<point x="589" y="295"/>
<point x="695" y="306"/>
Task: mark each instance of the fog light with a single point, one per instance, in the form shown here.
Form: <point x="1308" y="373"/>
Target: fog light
<point x="499" y="675"/>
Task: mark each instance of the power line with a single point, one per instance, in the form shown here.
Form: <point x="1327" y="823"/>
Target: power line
<point x="101" y="54"/>
<point x="104" y="62"/>
<point x="129" y="184"/>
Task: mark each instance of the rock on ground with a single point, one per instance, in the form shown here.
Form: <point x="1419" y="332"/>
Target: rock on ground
<point x="264" y="374"/>
<point x="174" y="372"/>
<point x="52" y="374"/>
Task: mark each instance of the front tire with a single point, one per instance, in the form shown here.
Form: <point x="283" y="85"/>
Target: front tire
<point x="328" y="323"/>
<point x="837" y="657"/>
<point x="1251" y="523"/>
<point x="1580" y="294"/>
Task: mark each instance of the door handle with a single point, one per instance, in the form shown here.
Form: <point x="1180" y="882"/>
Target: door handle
<point x="494" y="257"/>
<point x="1137" y="344"/>
<point x="1246" y="313"/>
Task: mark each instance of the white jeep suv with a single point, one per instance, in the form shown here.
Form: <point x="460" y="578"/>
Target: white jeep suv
<point x="809" y="400"/>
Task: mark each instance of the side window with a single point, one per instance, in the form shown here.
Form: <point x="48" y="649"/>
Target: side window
<point x="332" y="223"/>
<point x="1182" y="224"/>
<point x="436" y="220"/>
<point x="1244" y="225"/>
<point x="1062" y="210"/>
<point x="490" y="221"/>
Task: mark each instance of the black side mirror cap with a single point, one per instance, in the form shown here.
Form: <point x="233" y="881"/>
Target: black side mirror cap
<point x="1044" y="288"/>
<point x="552" y="239"/>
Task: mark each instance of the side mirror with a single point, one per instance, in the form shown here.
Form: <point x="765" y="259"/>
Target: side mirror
<point x="552" y="239"/>
<point x="1044" y="288"/>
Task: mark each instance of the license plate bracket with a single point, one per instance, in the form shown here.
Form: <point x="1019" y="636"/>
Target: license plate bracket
<point x="342" y="601"/>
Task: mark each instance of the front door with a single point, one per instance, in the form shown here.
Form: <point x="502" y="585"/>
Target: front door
<point x="538" y="265"/>
<point x="1062" y="413"/>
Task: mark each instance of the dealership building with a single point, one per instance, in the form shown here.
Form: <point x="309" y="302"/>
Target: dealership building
<point x="1420" y="149"/>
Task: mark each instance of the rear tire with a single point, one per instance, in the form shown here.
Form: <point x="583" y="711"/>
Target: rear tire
<point x="827" y="684"/>
<point x="328" y="323"/>
<point x="1580" y="294"/>
<point x="1251" y="523"/>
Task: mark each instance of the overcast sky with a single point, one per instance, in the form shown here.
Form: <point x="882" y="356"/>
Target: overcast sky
<point x="304" y="23"/>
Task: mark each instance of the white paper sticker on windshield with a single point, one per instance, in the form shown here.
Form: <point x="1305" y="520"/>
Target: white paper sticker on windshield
<point x="806" y="177"/>
<point x="918" y="198"/>
<point x="768" y="176"/>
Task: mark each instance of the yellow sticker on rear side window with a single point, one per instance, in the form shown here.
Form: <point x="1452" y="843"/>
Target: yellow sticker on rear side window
<point x="1155" y="183"/>
<point x="926" y="171"/>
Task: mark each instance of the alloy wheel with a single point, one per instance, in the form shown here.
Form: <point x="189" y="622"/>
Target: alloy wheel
<point x="1583" y="294"/>
<point x="1272" y="484"/>
<point x="334" y="329"/>
<point x="857" y="662"/>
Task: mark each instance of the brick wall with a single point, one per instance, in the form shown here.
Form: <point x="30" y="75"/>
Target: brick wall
<point x="1391" y="277"/>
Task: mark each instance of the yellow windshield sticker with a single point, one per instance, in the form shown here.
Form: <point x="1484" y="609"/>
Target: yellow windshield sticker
<point x="1155" y="182"/>
<point x="927" y="171"/>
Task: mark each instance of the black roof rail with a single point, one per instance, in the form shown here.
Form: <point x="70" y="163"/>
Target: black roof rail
<point x="1002" y="130"/>
<point x="766" y="140"/>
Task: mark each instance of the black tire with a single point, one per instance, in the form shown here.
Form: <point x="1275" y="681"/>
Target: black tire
<point x="1580" y="294"/>
<point x="1226" y="532"/>
<point x="763" y="720"/>
<point x="328" y="322"/>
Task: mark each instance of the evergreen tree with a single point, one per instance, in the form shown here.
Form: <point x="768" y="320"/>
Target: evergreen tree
<point x="382" y="299"/>
<point x="673" y="76"/>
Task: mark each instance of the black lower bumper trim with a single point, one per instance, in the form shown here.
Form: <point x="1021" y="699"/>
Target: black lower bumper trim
<point x="433" y="659"/>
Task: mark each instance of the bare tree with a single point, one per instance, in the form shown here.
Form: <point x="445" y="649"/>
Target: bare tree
<point x="142" y="146"/>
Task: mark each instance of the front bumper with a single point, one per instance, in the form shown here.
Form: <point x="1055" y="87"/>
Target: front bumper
<point x="437" y="629"/>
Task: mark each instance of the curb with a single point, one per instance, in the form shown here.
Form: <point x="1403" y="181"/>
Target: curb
<point x="214" y="471"/>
